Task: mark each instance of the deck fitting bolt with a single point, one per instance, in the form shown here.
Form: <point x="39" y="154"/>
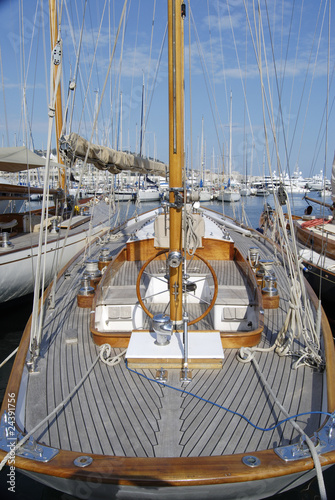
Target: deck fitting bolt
<point x="251" y="461"/>
<point x="83" y="461"/>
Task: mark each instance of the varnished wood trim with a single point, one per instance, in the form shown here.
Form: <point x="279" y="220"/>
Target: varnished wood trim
<point x="270" y="302"/>
<point x="85" y="301"/>
<point x="171" y="363"/>
<point x="140" y="250"/>
<point x="185" y="471"/>
<point x="229" y="340"/>
<point x="235" y="340"/>
<point x="211" y="249"/>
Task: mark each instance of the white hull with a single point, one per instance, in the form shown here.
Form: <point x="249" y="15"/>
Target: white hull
<point x="262" y="192"/>
<point x="148" y="195"/>
<point x="230" y="196"/>
<point x="245" y="192"/>
<point x="124" y="196"/>
<point x="18" y="267"/>
<point x="205" y="196"/>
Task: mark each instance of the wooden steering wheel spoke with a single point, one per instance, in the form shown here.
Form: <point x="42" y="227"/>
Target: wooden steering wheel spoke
<point x="211" y="303"/>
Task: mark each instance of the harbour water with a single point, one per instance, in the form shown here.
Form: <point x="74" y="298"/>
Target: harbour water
<point x="15" y="315"/>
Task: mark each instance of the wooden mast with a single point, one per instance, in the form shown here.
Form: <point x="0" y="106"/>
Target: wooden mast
<point x="176" y="149"/>
<point x="58" y="103"/>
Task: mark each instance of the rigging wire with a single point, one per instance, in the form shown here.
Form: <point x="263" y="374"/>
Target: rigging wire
<point x="295" y="68"/>
<point x="240" y="72"/>
<point x="311" y="84"/>
<point x="92" y="66"/>
<point x="76" y="69"/>
<point x="44" y="56"/>
<point x="207" y="82"/>
<point x="4" y="99"/>
<point x="325" y="237"/>
<point x="148" y="71"/>
<point x="320" y="137"/>
<point x="154" y="79"/>
<point x="222" y="57"/>
<point x="269" y="101"/>
<point x="36" y="327"/>
<point x="37" y="316"/>
<point x="280" y="106"/>
<point x="283" y="70"/>
<point x="30" y="120"/>
<point x="302" y="317"/>
<point x="110" y="132"/>
<point x="134" y="65"/>
<point x="211" y="48"/>
<point x="118" y="83"/>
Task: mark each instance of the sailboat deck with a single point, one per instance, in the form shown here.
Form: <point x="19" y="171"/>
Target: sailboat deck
<point x="126" y="413"/>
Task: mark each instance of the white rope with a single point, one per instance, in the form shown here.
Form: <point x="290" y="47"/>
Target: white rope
<point x="192" y="240"/>
<point x="293" y="328"/>
<point x="8" y="357"/>
<point x="251" y="357"/>
<point x="104" y="356"/>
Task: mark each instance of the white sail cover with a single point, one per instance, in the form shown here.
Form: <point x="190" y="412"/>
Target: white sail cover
<point x="73" y="146"/>
<point x="19" y="158"/>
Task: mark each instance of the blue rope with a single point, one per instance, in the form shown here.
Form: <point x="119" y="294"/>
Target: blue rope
<point x="227" y="409"/>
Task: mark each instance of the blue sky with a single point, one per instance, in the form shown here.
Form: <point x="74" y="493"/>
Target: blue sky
<point x="224" y="48"/>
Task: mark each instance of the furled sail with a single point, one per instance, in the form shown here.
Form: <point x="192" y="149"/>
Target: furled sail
<point x="73" y="146"/>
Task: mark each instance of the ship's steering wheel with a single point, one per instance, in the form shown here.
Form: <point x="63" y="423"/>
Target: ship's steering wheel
<point x="161" y="252"/>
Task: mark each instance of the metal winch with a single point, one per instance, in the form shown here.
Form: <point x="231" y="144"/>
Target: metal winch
<point x="270" y="288"/>
<point x="5" y="241"/>
<point x="253" y="257"/>
<point x="162" y="327"/>
<point x="92" y="268"/>
<point x="86" y="289"/>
